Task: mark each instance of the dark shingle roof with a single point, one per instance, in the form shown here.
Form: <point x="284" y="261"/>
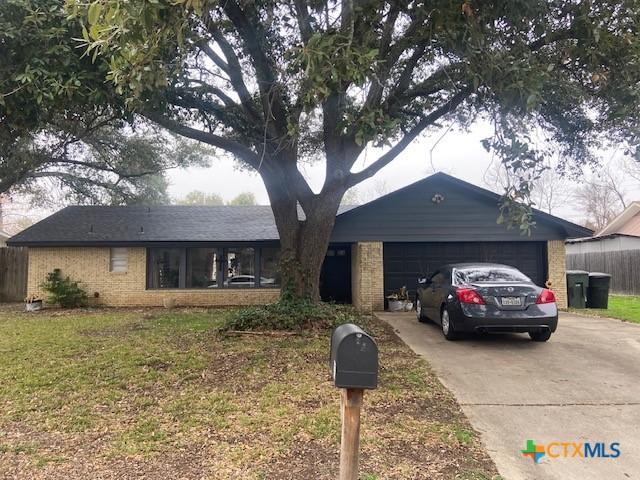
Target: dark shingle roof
<point x="81" y="225"/>
<point x="102" y="224"/>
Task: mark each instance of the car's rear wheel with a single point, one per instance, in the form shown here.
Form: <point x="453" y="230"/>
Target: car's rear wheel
<point x="447" y="326"/>
<point x="542" y="336"/>
<point x="419" y="315"/>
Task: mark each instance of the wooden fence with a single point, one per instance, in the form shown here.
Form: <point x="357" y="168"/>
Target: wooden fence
<point x="13" y="274"/>
<point x="623" y="266"/>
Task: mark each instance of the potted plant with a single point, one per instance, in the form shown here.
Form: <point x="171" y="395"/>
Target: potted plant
<point x="32" y="303"/>
<point x="398" y="300"/>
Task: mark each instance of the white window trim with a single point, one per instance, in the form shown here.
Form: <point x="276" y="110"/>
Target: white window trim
<point x="118" y="260"/>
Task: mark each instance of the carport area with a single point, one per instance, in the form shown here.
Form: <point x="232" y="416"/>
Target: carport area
<point x="581" y="386"/>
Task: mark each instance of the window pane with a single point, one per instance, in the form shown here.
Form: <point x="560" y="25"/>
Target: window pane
<point x="269" y="272"/>
<point x="119" y="260"/>
<point x="239" y="267"/>
<point x="202" y="268"/>
<point x="164" y="268"/>
<point x="489" y="274"/>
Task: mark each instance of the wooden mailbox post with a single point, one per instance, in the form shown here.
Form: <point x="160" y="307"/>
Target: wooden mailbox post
<point x="354" y="368"/>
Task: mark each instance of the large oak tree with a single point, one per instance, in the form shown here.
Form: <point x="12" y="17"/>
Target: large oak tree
<point x="277" y="83"/>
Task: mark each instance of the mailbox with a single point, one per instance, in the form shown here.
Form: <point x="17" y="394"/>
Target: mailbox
<point x="354" y="358"/>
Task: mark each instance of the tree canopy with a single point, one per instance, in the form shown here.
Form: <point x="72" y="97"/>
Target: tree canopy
<point x="276" y="83"/>
<point x="244" y="199"/>
<point x="197" y="197"/>
<point x="64" y="136"/>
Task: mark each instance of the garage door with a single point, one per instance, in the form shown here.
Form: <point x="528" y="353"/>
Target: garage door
<point x="404" y="262"/>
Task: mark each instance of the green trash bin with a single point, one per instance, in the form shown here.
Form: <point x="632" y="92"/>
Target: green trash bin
<point x="577" y="284"/>
<point x="598" y="294"/>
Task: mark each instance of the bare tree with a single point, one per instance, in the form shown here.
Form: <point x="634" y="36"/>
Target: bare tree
<point x="550" y="190"/>
<point x="17" y="213"/>
<point x="361" y="194"/>
<point x="601" y="197"/>
<point x="631" y="168"/>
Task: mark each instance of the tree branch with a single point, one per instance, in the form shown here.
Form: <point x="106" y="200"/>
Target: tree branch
<point x="377" y="86"/>
<point x="94" y="166"/>
<point x="69" y="176"/>
<point x="234" y="71"/>
<point x="425" y="122"/>
<point x="304" y="22"/>
<point x="273" y="106"/>
<point x="208" y="51"/>
<point x="239" y="150"/>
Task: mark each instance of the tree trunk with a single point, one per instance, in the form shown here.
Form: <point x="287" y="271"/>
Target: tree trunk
<point x="303" y="241"/>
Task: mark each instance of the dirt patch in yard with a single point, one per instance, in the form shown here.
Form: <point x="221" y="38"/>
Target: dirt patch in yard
<point x="106" y="399"/>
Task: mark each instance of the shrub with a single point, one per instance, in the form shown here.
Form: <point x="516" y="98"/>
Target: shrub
<point x="289" y="315"/>
<point x="64" y="291"/>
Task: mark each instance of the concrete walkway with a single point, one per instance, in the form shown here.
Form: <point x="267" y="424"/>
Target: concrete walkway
<point x="581" y="386"/>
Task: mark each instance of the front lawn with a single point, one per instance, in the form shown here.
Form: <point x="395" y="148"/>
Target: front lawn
<point x="624" y="307"/>
<point x="130" y="393"/>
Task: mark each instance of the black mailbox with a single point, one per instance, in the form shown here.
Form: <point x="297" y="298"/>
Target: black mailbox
<point x="354" y="358"/>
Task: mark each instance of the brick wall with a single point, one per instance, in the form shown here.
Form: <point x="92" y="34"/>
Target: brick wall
<point x="557" y="270"/>
<point x="90" y="266"/>
<point x="367" y="276"/>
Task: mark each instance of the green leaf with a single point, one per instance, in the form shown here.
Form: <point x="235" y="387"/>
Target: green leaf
<point x="94" y="13"/>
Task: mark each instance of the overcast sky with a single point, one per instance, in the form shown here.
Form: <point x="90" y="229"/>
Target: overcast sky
<point x="457" y="153"/>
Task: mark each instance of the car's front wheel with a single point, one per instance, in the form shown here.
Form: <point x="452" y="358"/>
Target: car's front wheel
<point x="542" y="336"/>
<point x="447" y="326"/>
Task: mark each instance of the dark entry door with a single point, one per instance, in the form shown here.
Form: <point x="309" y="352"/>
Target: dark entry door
<point x="335" y="277"/>
<point x="404" y="262"/>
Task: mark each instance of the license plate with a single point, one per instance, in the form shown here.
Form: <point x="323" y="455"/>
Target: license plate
<point x="511" y="301"/>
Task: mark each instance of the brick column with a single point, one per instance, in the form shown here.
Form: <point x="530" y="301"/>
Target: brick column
<point x="556" y="268"/>
<point x="367" y="276"/>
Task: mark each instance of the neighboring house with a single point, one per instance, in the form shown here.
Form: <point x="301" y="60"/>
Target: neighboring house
<point x="614" y="250"/>
<point x="4" y="236"/>
<point x="226" y="255"/>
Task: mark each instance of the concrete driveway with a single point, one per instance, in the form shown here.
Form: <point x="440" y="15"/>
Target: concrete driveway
<point x="581" y="386"/>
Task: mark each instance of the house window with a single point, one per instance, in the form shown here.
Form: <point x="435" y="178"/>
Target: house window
<point x="119" y="259"/>
<point x="269" y="272"/>
<point x="202" y="268"/>
<point x="164" y="267"/>
<point x="240" y="267"/>
<point x="213" y="267"/>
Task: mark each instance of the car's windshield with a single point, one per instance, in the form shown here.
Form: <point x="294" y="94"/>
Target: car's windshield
<point x="488" y="274"/>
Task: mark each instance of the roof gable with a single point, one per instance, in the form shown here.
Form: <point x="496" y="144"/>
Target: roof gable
<point x="442" y="208"/>
<point x="627" y="223"/>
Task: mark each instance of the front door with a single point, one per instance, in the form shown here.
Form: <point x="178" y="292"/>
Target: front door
<point x="335" y="277"/>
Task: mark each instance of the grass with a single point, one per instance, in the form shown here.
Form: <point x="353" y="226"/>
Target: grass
<point x="622" y="307"/>
<point x="119" y="393"/>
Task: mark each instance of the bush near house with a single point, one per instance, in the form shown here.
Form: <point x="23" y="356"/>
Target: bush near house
<point x="64" y="291"/>
<point x="289" y="314"/>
